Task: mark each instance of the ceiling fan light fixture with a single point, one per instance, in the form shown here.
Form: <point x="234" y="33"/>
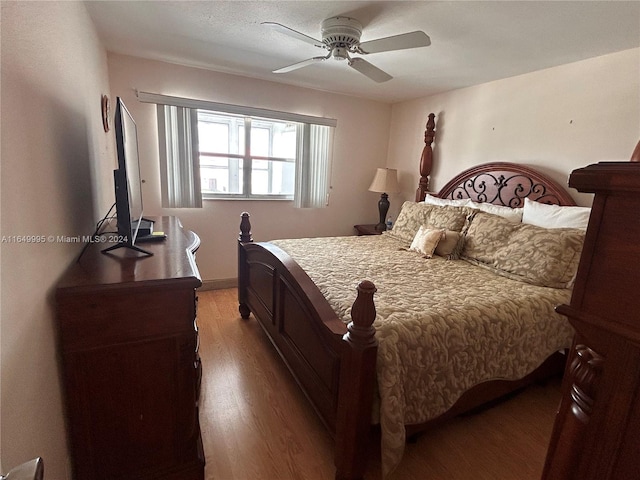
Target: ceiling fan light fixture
<point x="340" y="53"/>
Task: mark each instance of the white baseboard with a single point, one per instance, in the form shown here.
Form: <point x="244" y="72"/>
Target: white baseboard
<point x="219" y="284"/>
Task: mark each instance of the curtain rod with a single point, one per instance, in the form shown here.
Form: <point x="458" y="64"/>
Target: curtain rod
<point x="157" y="98"/>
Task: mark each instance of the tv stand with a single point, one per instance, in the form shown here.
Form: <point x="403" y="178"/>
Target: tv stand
<point x="130" y="246"/>
<point x="128" y="342"/>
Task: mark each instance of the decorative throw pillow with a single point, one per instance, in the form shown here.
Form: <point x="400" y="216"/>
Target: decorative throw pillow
<point x="413" y="215"/>
<point x="453" y="219"/>
<point x="426" y="241"/>
<point x="555" y="216"/>
<point x="532" y="254"/>
<point x="448" y="244"/>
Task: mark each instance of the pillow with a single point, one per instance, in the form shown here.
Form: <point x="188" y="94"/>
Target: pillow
<point x="413" y="215"/>
<point x="426" y="240"/>
<point x="431" y="200"/>
<point x="449" y="217"/>
<point x="531" y="254"/>
<point x="513" y="214"/>
<point x="448" y="244"/>
<point x="555" y="216"/>
<point x="454" y="220"/>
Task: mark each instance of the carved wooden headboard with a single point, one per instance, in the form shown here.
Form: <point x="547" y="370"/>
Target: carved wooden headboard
<point x="504" y="183"/>
<point x="500" y="183"/>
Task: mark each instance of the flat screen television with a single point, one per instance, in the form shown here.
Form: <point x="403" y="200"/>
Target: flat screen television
<point x="128" y="187"/>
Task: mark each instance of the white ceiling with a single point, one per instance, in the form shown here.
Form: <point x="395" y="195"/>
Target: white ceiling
<point x="471" y="42"/>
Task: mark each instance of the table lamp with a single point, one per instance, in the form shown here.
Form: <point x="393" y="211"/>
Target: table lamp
<point x="386" y="180"/>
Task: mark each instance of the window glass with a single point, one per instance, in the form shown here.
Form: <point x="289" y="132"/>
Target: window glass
<point x="220" y="175"/>
<point x="223" y="146"/>
<point x="284" y="142"/>
<point x="260" y="141"/>
<point x="272" y="177"/>
<point x="213" y="137"/>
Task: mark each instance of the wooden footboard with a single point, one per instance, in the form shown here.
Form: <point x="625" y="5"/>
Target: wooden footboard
<point x="333" y="363"/>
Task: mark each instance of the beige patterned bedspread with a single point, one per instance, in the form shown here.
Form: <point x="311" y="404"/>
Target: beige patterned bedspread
<point x="443" y="326"/>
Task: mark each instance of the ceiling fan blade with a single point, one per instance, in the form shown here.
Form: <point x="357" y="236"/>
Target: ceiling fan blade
<point x="369" y="70"/>
<point x="293" y="33"/>
<point x="298" y="65"/>
<point x="396" y="42"/>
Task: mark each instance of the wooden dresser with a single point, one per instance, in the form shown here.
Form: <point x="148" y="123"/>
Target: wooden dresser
<point x="128" y="341"/>
<point x="596" y="434"/>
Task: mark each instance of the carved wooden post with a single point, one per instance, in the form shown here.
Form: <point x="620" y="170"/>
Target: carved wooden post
<point x="426" y="160"/>
<point x="357" y="380"/>
<point x="583" y="375"/>
<point x="243" y="271"/>
<point x="596" y="434"/>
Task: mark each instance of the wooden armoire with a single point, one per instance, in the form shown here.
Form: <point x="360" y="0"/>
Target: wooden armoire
<point x="596" y="434"/>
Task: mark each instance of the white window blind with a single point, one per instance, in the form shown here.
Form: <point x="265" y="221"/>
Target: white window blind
<point x="179" y="159"/>
<point x="313" y="167"/>
<point x="184" y="161"/>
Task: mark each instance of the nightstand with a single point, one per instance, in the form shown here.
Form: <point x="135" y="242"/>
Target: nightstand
<point x="367" y="229"/>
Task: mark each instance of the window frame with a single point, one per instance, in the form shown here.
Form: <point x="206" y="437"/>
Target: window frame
<point x="247" y="158"/>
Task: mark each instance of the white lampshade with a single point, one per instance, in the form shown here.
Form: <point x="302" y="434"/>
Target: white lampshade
<point x="385" y="181"/>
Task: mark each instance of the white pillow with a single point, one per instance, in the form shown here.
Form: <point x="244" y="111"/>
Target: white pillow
<point x="555" y="216"/>
<point x="431" y="200"/>
<point x="512" y="214"/>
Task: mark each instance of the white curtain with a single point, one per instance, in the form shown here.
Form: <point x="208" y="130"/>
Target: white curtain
<point x="179" y="157"/>
<point x="313" y="166"/>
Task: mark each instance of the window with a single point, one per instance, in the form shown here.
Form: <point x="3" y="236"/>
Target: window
<point x="218" y="151"/>
<point x="258" y="165"/>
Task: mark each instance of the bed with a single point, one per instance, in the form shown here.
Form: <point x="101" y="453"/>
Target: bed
<point x="414" y="359"/>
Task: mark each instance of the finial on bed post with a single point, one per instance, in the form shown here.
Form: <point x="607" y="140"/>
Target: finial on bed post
<point x="243" y="270"/>
<point x="245" y="228"/>
<point x="363" y="313"/>
<point x="426" y="161"/>
<point x="357" y="381"/>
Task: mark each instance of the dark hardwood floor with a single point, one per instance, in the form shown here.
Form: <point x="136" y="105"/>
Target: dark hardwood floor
<point x="257" y="425"/>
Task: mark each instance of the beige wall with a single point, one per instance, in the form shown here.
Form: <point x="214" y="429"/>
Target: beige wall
<point x="360" y="147"/>
<point x="556" y="119"/>
<point x="56" y="160"/>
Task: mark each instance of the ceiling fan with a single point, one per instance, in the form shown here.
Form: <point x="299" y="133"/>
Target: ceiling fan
<point x="341" y="37"/>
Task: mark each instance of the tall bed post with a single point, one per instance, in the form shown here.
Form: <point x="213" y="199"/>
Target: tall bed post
<point x="243" y="273"/>
<point x="426" y="160"/>
<point x="357" y="383"/>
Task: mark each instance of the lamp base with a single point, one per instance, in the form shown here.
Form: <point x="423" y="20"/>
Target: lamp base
<point x="383" y="208"/>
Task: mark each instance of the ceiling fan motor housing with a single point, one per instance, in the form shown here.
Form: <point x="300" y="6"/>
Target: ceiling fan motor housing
<point x="341" y="32"/>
